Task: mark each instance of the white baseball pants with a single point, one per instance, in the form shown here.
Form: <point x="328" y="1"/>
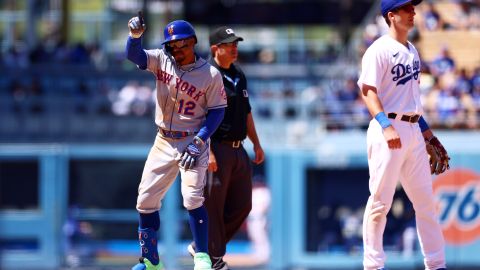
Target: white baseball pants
<point x="410" y="166"/>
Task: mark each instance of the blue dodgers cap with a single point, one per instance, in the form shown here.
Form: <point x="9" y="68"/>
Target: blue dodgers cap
<point x="389" y="5"/>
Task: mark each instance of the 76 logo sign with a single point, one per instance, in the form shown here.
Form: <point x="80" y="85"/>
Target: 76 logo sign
<point x="458" y="193"/>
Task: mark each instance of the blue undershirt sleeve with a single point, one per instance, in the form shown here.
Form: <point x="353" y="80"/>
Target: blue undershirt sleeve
<point x="213" y="120"/>
<point x="423" y="124"/>
<point x="135" y="52"/>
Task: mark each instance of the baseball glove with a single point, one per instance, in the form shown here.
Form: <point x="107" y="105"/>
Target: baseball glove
<point x="439" y="159"/>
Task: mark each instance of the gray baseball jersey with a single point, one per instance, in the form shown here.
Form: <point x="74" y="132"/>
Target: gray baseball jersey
<point x="184" y="95"/>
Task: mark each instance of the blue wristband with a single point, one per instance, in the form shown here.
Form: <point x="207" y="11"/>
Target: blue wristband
<point x="382" y="120"/>
<point x="423" y="124"/>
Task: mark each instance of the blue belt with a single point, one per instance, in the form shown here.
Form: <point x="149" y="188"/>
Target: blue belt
<point x="175" y="134"/>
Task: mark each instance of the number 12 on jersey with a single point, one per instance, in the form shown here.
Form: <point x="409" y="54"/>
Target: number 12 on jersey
<point x="186" y="107"/>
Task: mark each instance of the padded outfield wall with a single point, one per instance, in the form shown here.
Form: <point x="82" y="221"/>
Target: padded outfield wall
<point x="317" y="192"/>
<point x="340" y="161"/>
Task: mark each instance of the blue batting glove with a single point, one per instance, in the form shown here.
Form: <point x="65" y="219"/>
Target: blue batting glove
<point x="191" y="154"/>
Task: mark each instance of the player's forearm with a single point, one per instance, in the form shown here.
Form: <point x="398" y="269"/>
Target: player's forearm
<point x="251" y="131"/>
<point x="427" y="134"/>
<point x="135" y="52"/>
<point x="372" y="101"/>
<point x="213" y="119"/>
<point x="374" y="105"/>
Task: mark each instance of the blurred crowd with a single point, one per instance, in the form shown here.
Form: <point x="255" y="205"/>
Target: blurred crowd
<point x="462" y="15"/>
<point x="81" y="79"/>
<point x="54" y="52"/>
<point x="79" y="97"/>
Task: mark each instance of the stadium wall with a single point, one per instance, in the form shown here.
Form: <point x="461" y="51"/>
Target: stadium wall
<point x="294" y="176"/>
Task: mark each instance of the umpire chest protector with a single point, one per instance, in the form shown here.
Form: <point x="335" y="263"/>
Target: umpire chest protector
<point x="234" y="124"/>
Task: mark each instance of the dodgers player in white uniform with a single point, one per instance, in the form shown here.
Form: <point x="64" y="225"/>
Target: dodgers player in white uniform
<point x="190" y="105"/>
<point x="389" y="84"/>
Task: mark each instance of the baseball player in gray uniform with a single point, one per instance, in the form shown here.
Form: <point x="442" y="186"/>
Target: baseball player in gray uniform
<point x="190" y="105"/>
<point x="389" y="84"/>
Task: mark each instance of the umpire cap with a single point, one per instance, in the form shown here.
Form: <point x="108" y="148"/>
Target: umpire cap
<point x="223" y="35"/>
<point x="389" y="5"/>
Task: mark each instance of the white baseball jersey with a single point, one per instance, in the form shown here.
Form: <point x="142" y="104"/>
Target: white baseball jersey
<point x="184" y="95"/>
<point x="394" y="70"/>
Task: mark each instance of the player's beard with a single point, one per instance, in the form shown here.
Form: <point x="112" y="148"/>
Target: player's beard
<point x="179" y="57"/>
<point x="183" y="56"/>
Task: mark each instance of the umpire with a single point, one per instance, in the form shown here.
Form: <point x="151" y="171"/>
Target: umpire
<point x="228" y="195"/>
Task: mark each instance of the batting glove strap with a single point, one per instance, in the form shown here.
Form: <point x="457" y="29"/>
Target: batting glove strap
<point x="198" y="142"/>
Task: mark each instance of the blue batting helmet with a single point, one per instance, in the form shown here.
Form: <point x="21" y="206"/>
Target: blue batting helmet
<point x="176" y="30"/>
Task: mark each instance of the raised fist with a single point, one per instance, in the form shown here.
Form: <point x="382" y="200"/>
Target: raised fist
<point x="137" y="26"/>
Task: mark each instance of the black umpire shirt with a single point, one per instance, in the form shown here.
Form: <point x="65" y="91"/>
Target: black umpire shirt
<point x="234" y="124"/>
